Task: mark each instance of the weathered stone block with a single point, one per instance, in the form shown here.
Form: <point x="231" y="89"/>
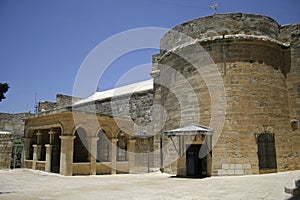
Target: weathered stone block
<point x="239" y="172"/>
<point x="230" y="172"/>
<point x="246" y="166"/>
<point x="231" y="166"/>
<point x="222" y="172"/>
<point x="225" y="166"/>
<point x="238" y="166"/>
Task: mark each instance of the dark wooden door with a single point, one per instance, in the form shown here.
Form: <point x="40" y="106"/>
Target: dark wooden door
<point x="194" y="165"/>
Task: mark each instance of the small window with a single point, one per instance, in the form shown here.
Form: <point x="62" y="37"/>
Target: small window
<point x="266" y="151"/>
<point x="122" y="148"/>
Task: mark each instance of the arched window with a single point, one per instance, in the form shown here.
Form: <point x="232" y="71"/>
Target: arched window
<point x="81" y="153"/>
<point x="266" y="151"/>
<point x="122" y="148"/>
<point x="103" y="146"/>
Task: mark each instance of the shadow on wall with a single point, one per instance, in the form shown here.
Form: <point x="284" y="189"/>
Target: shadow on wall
<point x="295" y="191"/>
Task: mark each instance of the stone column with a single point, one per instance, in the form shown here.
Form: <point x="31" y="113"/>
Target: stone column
<point x="39" y="138"/>
<point x="26" y="150"/>
<point x="51" y="136"/>
<point x="66" y="155"/>
<point x="131" y="156"/>
<point x="48" y="157"/>
<point x="39" y="142"/>
<point x="113" y="155"/>
<point x="36" y="154"/>
<point x="93" y="154"/>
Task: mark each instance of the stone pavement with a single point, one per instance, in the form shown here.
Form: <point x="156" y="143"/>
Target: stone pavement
<point x="29" y="184"/>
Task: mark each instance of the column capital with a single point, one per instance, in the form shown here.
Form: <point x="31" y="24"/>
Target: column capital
<point x="132" y="141"/>
<point x="51" y="132"/>
<point x="48" y="145"/>
<point x="93" y="138"/>
<point x="51" y="136"/>
<point x="36" y="145"/>
<point x="38" y="133"/>
<point x="114" y="140"/>
<point x="67" y="137"/>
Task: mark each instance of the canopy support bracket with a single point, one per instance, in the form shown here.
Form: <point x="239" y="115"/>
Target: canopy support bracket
<point x="175" y="146"/>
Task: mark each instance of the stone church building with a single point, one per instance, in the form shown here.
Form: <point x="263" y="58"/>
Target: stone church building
<point x="224" y="100"/>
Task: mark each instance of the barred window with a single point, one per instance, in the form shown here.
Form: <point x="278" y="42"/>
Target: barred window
<point x="267" y="151"/>
<point x="103" y="146"/>
<point x="122" y="148"/>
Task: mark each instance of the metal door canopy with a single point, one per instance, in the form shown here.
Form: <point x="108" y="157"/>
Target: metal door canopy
<point x="190" y="130"/>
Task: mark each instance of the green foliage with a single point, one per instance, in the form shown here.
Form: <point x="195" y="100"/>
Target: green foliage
<point x="3" y="89"/>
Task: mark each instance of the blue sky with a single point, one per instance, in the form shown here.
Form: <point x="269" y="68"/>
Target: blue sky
<point x="43" y="42"/>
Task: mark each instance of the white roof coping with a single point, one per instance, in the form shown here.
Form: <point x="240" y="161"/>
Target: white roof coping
<point x="5" y="132"/>
<point x="127" y="89"/>
<point x="218" y="37"/>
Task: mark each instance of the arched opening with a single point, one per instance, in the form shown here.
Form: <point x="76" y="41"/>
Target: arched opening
<point x="267" y="152"/>
<point x="122" y="147"/>
<point x="103" y="147"/>
<point x="81" y="153"/>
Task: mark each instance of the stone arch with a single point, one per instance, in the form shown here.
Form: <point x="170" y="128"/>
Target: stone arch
<point x="83" y="126"/>
<point x="30" y="139"/>
<point x="123" y="130"/>
<point x="80" y="152"/>
<point x="263" y="129"/>
<point x="107" y="130"/>
<point x="29" y="130"/>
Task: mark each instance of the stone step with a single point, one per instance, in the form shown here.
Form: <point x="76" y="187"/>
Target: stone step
<point x="297" y="183"/>
<point x="294" y="191"/>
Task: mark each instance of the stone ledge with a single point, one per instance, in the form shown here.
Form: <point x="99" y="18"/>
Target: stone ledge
<point x="235" y="169"/>
<point x="236" y="166"/>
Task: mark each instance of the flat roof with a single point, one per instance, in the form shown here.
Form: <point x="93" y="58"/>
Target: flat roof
<point x="119" y="91"/>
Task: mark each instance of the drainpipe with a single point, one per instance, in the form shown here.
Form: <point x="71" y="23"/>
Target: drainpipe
<point x="161" y="156"/>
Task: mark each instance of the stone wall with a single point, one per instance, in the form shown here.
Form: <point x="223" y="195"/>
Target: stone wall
<point x="61" y="101"/>
<point x="258" y="62"/>
<point x="13" y="123"/>
<point x="136" y="106"/>
<point x="46" y="105"/>
<point x="5" y="149"/>
<point x="222" y="25"/>
<point x="291" y="33"/>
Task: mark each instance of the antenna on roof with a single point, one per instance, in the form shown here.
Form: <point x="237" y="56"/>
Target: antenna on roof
<point x="36" y="107"/>
<point x="215" y="6"/>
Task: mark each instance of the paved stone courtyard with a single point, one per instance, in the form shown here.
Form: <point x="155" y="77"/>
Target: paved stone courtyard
<point x="29" y="184"/>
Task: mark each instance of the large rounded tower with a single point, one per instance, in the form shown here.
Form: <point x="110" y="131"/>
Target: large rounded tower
<point x="238" y="74"/>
